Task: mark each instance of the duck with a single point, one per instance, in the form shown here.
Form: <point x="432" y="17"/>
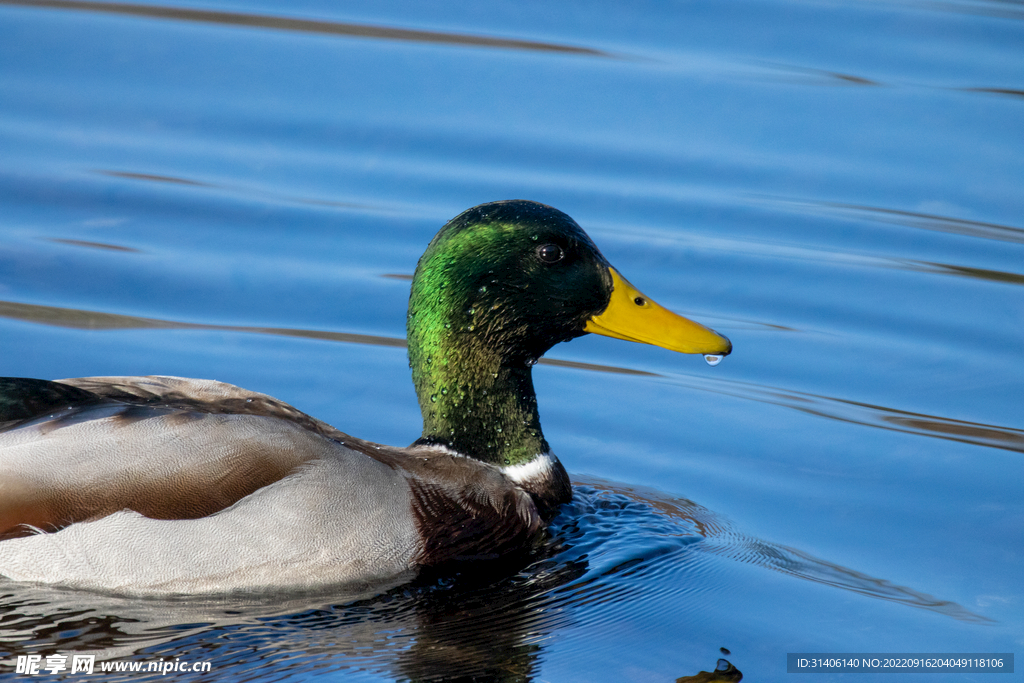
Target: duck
<point x="164" y="485"/>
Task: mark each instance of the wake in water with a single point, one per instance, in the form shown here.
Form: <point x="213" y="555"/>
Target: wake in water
<point x="700" y="530"/>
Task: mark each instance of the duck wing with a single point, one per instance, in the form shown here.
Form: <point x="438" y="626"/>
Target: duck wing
<point x="168" y="448"/>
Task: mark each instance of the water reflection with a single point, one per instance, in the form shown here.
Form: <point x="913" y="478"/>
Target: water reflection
<point x="98" y="320"/>
<point x="914" y="219"/>
<point x="153" y="177"/>
<point x="869" y="415"/>
<point x="829" y="407"/>
<point x="805" y="75"/>
<point x="304" y="25"/>
<point x="245" y="191"/>
<point x="1003" y="9"/>
<point x="724" y="672"/>
<point x="898" y="217"/>
<point x="998" y="91"/>
<point x="978" y="273"/>
<point x="880" y="417"/>
<point x="94" y="245"/>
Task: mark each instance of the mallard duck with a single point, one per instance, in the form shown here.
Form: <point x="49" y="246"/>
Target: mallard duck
<point x="169" y="485"/>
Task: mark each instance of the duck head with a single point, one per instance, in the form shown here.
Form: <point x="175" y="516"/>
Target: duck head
<point x="498" y="286"/>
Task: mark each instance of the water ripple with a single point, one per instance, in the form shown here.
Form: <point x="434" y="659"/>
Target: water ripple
<point x="867" y="414"/>
<point x="1012" y="92"/>
<point x="304" y="25"/>
<point x="830" y="407"/>
<point x="965" y="271"/>
<point x="716" y="536"/>
<point x="914" y="219"/>
<point x="240" y="190"/>
<point x="94" y="245"/>
<point x="82" y="319"/>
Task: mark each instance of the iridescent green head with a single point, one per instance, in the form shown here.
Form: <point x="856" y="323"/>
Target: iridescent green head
<point x="497" y="287"/>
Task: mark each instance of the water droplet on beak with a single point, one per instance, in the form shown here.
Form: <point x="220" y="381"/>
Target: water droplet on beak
<point x="713" y="359"/>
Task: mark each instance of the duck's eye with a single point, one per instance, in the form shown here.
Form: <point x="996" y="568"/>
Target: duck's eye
<point x="550" y="253"/>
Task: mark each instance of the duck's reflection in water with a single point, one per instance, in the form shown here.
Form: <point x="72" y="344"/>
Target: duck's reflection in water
<point x="724" y="672"/>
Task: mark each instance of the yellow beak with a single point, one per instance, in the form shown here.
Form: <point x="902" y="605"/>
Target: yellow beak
<point x="634" y="317"/>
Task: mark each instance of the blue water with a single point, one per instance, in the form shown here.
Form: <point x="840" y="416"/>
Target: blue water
<point x="240" y="191"/>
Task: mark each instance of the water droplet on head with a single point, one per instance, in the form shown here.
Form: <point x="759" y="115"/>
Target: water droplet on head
<point x="433" y="398"/>
<point x="713" y="359"/>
